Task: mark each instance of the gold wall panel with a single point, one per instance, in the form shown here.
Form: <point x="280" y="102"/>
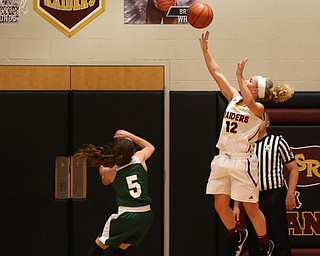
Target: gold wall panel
<point x="34" y="77"/>
<point x="29" y="77"/>
<point x="117" y="77"/>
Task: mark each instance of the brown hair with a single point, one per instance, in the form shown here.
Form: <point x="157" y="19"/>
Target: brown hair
<point x="119" y="153"/>
<point x="280" y="93"/>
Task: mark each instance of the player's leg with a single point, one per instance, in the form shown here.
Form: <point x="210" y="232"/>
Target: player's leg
<point x="97" y="248"/>
<point x="221" y="204"/>
<point x="253" y="246"/>
<point x="219" y="185"/>
<point x="120" y="251"/>
<point x="259" y="223"/>
<point x="237" y="236"/>
<point x="256" y="216"/>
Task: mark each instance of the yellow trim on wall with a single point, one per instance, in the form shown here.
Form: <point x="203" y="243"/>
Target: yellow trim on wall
<point x="29" y="77"/>
<point x="34" y="77"/>
<point x="117" y="78"/>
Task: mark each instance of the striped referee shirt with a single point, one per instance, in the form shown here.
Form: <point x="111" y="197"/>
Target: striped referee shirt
<point x="273" y="152"/>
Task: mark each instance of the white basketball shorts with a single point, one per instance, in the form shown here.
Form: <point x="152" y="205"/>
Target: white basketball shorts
<point x="236" y="176"/>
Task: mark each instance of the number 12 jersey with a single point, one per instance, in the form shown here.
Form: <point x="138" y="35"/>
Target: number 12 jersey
<point x="240" y="128"/>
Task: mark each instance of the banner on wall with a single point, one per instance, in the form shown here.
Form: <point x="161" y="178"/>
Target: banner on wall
<point x="152" y="12"/>
<point x="10" y="10"/>
<point x="69" y="16"/>
<point x="304" y="221"/>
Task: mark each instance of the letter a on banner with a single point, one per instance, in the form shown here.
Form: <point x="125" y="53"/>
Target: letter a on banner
<point x="69" y="16"/>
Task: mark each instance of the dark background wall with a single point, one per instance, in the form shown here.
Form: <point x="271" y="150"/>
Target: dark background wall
<point x="195" y="120"/>
<point x="36" y="127"/>
<point x="193" y="132"/>
<point x="298" y="121"/>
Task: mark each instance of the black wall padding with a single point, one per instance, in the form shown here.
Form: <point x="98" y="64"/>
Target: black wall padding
<point x="96" y="116"/>
<point x="299" y="131"/>
<point x="299" y="100"/>
<point x="193" y="134"/>
<point x="36" y="127"/>
<point x="195" y="121"/>
<point x="300" y="136"/>
<point x="33" y="130"/>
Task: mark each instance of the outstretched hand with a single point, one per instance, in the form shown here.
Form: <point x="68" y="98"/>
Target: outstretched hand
<point x="204" y="41"/>
<point x="240" y="67"/>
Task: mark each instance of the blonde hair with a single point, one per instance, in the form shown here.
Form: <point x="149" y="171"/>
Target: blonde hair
<point x="280" y="93"/>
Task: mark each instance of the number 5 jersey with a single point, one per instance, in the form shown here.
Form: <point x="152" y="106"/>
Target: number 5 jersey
<point x="131" y="185"/>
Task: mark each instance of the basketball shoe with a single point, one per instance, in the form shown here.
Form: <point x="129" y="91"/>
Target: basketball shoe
<point x="238" y="241"/>
<point x="267" y="250"/>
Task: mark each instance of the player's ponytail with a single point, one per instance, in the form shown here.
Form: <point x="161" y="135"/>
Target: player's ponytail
<point x="117" y="153"/>
<point x="280" y="93"/>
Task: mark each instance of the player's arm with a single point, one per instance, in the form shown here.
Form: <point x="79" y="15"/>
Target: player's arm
<point x="226" y="89"/>
<point x="293" y="181"/>
<point x="107" y="175"/>
<point x="147" y="149"/>
<point x="255" y="107"/>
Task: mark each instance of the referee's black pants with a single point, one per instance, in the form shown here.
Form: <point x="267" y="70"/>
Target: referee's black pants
<point x="272" y="204"/>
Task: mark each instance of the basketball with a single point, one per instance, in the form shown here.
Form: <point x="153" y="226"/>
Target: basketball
<point x="200" y="15"/>
<point x="164" y="5"/>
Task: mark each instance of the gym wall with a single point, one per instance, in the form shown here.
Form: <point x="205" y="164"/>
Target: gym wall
<point x="45" y="77"/>
<point x="280" y="38"/>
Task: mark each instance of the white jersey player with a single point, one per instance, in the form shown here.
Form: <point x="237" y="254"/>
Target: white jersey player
<point x="234" y="172"/>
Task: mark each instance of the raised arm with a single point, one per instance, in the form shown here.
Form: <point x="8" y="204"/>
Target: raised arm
<point x="255" y="107"/>
<point x="147" y="148"/>
<point x="226" y="89"/>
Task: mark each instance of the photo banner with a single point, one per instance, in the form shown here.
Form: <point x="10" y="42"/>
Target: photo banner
<point x="156" y="11"/>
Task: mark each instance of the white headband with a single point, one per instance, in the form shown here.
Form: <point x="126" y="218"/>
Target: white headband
<point x="262" y="82"/>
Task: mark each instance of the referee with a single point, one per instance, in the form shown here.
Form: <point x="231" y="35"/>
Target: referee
<point x="275" y="195"/>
